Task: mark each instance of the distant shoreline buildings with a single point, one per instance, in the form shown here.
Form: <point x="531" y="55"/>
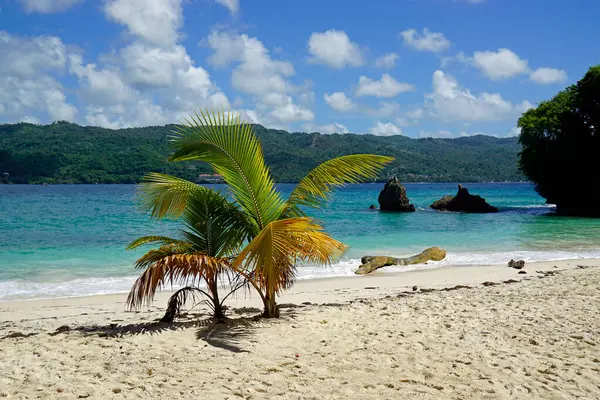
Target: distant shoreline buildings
<point x="210" y="178"/>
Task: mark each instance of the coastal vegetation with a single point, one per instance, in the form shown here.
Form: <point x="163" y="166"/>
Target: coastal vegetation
<point x="68" y="153"/>
<point x="561" y="141"/>
<point x="252" y="233"/>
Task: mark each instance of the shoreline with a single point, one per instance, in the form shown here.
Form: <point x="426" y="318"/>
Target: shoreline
<point x="387" y="271"/>
<point x="531" y="336"/>
<point x="325" y="289"/>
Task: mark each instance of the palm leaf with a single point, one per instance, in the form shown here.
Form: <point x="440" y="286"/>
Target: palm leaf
<point x="233" y="150"/>
<point x="272" y="255"/>
<point x="167" y="265"/>
<point x="178" y="299"/>
<point x="167" y="196"/>
<point x="314" y="189"/>
<point x="152" y="239"/>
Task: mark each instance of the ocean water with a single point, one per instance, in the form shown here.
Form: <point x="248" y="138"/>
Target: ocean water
<point x="69" y="240"/>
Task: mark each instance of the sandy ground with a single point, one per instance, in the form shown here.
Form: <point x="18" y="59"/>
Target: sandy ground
<point x="528" y="336"/>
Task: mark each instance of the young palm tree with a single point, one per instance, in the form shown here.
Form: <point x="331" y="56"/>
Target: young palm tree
<point x="203" y="252"/>
<point x="277" y="233"/>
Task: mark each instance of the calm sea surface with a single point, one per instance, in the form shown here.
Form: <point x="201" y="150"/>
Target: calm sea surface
<point x="69" y="240"/>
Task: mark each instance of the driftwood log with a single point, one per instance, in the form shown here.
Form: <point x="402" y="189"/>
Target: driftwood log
<point x="373" y="263"/>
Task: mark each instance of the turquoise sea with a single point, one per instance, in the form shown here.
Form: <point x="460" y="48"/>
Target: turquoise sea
<point x="69" y="240"/>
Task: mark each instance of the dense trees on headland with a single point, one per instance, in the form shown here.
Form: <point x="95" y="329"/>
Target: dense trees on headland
<point x="561" y="143"/>
<point x="68" y="153"/>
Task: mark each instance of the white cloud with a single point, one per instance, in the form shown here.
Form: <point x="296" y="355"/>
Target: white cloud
<point x="232" y="5"/>
<point x="339" y="101"/>
<point x="334" y="49"/>
<point x="387" y="61"/>
<point x="28" y="87"/>
<point x="385" y="129"/>
<point x="427" y="41"/>
<point x="152" y="80"/>
<point x="416" y="113"/>
<point x="514" y="132"/>
<point x="154" y="21"/>
<point x="547" y="76"/>
<point x="285" y="110"/>
<point x="257" y="74"/>
<point x="387" y="86"/>
<point x="326" y="129"/>
<point x="386" y="109"/>
<point x="48" y="6"/>
<point x="450" y="102"/>
<point x="460" y="57"/>
<point x="502" y="64"/>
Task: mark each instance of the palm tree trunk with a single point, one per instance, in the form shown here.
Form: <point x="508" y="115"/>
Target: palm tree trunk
<point x="218" y="310"/>
<point x="271" y="308"/>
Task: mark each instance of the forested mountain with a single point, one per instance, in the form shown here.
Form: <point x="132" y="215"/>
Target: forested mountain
<point x="68" y="153"/>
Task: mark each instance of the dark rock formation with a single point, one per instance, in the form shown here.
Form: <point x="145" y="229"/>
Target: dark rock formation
<point x="372" y="207"/>
<point x="393" y="197"/>
<point x="516" y="264"/>
<point x="463" y="202"/>
<point x="372" y="263"/>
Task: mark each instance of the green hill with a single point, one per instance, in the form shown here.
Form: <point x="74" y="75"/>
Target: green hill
<point x="68" y="153"/>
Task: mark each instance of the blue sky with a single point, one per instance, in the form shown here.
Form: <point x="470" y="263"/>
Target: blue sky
<point x="441" y="68"/>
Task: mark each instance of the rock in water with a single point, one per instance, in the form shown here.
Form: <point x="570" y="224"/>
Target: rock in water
<point x="393" y="197"/>
<point x="372" y="263"/>
<point x="372" y="207"/>
<point x="463" y="202"/>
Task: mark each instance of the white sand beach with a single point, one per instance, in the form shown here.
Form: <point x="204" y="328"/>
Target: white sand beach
<point x="519" y="336"/>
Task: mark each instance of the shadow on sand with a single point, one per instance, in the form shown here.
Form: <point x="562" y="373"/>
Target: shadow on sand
<point x="224" y="333"/>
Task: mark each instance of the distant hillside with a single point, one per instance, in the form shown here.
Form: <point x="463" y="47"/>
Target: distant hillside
<point x="68" y="153"/>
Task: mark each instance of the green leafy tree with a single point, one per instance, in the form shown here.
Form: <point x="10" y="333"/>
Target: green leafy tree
<point x="277" y="234"/>
<point x="561" y="141"/>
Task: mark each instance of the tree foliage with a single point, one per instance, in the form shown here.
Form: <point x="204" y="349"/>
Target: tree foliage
<point x="561" y="141"/>
<point x="254" y="233"/>
<point x="68" y="153"/>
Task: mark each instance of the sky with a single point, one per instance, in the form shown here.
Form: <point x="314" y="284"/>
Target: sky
<point x="420" y="68"/>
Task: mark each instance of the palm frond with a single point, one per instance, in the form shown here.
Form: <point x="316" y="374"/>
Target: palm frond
<point x="271" y="257"/>
<point x="233" y="150"/>
<point x="172" y="268"/>
<point x="178" y="300"/>
<point x="215" y="225"/>
<point x="314" y="189"/>
<point x="167" y="196"/>
<point x="152" y="239"/>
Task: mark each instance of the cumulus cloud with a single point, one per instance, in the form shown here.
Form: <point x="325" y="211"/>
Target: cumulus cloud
<point x="450" y="102"/>
<point x="48" y="6"/>
<point x="232" y="5"/>
<point x="326" y="129"/>
<point x="548" y="76"/>
<point x="339" y="101"/>
<point x="150" y="81"/>
<point x="334" y="49"/>
<point x="386" y="109"/>
<point x="386" y="61"/>
<point x="501" y="64"/>
<point x="427" y="41"/>
<point x="387" y="86"/>
<point x="385" y="129"/>
<point x="156" y="22"/>
<point x="29" y="89"/>
<point x="258" y="74"/>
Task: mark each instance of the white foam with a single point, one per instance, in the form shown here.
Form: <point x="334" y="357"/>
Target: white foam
<point x="25" y="290"/>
